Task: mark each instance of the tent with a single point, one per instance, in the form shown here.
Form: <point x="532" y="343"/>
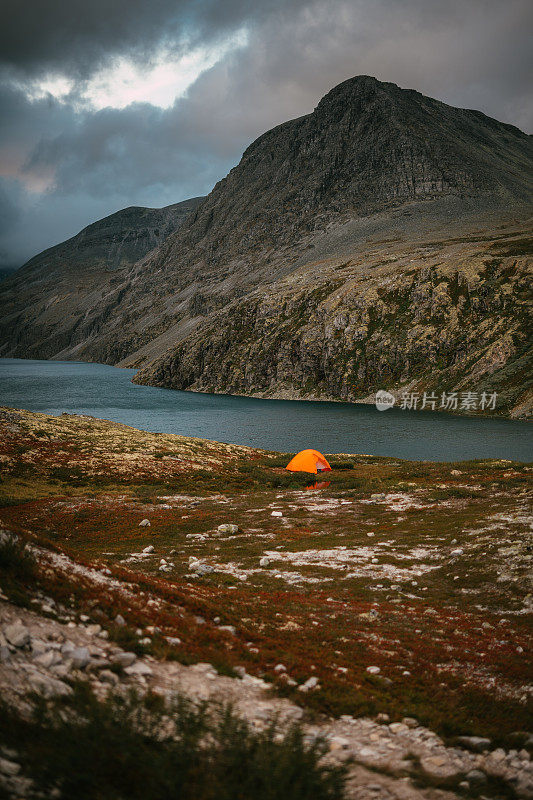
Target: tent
<point x="309" y="461"/>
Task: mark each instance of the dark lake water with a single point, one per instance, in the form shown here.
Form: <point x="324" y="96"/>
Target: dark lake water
<point x="107" y="392"/>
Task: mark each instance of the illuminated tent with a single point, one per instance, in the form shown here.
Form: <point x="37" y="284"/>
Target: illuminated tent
<point x="309" y="461"/>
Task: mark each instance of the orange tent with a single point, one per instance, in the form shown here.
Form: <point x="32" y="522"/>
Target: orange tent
<point x="309" y="461"/>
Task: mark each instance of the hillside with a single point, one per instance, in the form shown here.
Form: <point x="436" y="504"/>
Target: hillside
<point x="53" y="290"/>
<point x="366" y="209"/>
<point x="386" y="610"/>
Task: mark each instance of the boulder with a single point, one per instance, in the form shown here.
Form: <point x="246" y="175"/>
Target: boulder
<point x="145" y="523"/>
<point x="124" y="659"/>
<point x="228" y="529"/>
<point x="440" y="770"/>
<point x="139" y="669"/>
<point x="17" y="634"/>
<point x="477" y="744"/>
<point x="80" y="657"/>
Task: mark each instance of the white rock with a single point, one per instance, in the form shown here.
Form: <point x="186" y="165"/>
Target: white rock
<point x="10" y="768"/>
<point x="373" y="670"/>
<point x="338" y="743"/>
<point x="124" y="659"/>
<point x="119" y="619"/>
<point x="138" y="669"/>
<point x="228" y="528"/>
<point x="264" y="562"/>
<point x="49" y="687"/>
<point x="280" y="668"/>
<point x="458" y="551"/>
<point x="80" y="657"/>
<point x="149" y="549"/>
<point x="48" y="659"/>
<point x="310" y="683"/>
<point x="106" y="676"/>
<point x="229" y="628"/>
<point x="173" y="640"/>
<point x="17" y="634"/>
<point x="277" y="514"/>
<point x="145" y="523"/>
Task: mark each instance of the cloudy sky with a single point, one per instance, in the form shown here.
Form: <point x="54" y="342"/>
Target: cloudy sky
<point x="111" y="103"/>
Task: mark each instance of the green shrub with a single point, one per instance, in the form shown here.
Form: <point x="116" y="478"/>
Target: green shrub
<point x="138" y="749"/>
<point x="16" y="559"/>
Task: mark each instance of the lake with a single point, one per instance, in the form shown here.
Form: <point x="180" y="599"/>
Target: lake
<point x="288" y="425"/>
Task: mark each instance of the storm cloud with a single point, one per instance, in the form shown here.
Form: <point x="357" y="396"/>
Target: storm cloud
<point x="71" y="151"/>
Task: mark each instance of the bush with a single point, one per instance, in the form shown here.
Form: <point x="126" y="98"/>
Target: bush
<point x="138" y="749"/>
<point x="16" y="559"/>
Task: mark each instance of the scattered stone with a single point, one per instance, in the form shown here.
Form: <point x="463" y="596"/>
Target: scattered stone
<point x="338" y="743"/>
<point x="280" y="668"/>
<point x="310" y="683"/>
<point x="48" y="659"/>
<point x="458" y="551"/>
<point x="398" y="727"/>
<point x="264" y="562"/>
<point x="80" y="657"/>
<point x="373" y="670"/>
<point x="149" y="549"/>
<point x="138" y="669"/>
<point x="106" y="676"/>
<point x="17" y="634"/>
<point x="94" y="630"/>
<point x="277" y="514"/>
<point x="228" y="528"/>
<point x="411" y="722"/>
<point x="477" y="744"/>
<point x="440" y="771"/>
<point x="204" y="569"/>
<point x="48" y="686"/>
<point x="119" y="620"/>
<point x="497" y="755"/>
<point x="10" y="768"/>
<point x="124" y="659"/>
<point x="476" y="777"/>
<point x="229" y="628"/>
<point x="145" y="523"/>
<point x="173" y="640"/>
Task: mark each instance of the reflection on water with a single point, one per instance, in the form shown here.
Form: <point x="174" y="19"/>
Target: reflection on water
<point x="319" y="485"/>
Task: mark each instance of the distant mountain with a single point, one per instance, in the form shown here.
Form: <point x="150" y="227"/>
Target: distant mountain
<point x="58" y="287"/>
<point x="116" y="241"/>
<point x="277" y="283"/>
<point x="6" y="273"/>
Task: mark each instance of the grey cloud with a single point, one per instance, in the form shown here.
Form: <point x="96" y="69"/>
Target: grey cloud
<point x="472" y="54"/>
<point x="79" y="35"/>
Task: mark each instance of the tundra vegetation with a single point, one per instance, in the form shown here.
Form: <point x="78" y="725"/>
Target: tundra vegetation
<point x="213" y="553"/>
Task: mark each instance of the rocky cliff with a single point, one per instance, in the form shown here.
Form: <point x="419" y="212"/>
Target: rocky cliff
<point x="377" y="184"/>
<point x="431" y="316"/>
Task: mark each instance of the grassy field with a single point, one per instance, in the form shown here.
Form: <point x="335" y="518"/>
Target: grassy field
<point x="422" y="570"/>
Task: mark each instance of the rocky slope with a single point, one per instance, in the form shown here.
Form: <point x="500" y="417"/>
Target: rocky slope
<point x="58" y="287"/>
<point x="423" y="316"/>
<point x="373" y="170"/>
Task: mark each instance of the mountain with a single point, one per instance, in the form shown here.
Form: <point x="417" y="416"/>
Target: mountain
<point x="63" y="281"/>
<point x="379" y="242"/>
